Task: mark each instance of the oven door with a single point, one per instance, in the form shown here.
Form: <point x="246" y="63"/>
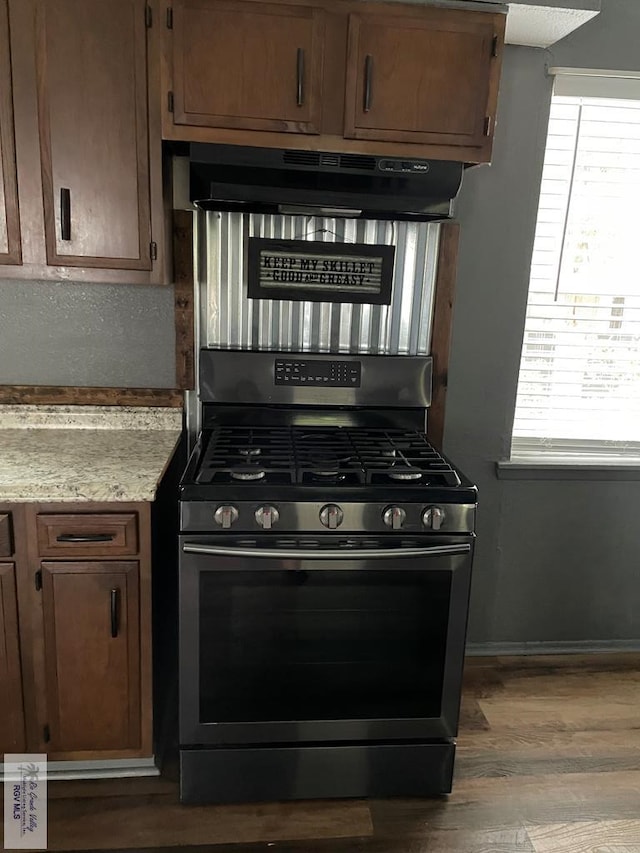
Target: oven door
<point x="338" y="642"/>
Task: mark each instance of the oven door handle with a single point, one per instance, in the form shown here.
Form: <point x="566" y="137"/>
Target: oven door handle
<point x="337" y="554"/>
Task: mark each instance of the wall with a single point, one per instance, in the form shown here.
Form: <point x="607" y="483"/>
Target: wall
<point x="86" y="334"/>
<point x="557" y="559"/>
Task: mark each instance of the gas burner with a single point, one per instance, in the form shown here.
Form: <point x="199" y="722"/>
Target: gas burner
<point x="328" y="467"/>
<point x="249" y="451"/>
<point x="405" y="475"/>
<point x="247" y="474"/>
<point x="317" y="436"/>
<point x="327" y="477"/>
<point x="324" y="473"/>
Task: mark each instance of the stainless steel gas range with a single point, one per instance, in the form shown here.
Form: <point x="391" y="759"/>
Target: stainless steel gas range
<point x="325" y="564"/>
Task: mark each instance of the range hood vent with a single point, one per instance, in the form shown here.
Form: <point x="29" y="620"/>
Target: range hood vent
<point x="357" y="161"/>
<point x="328" y="159"/>
<point x="301" y="158"/>
<point x="269" y="180"/>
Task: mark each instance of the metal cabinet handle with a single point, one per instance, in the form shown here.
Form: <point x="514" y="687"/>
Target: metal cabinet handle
<point x="300" y="77"/>
<point x="85" y="537"/>
<point x="368" y="74"/>
<point x="65" y="213"/>
<point x="115" y="612"/>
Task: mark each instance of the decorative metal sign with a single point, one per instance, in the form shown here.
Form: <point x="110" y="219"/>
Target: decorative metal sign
<point x="308" y="270"/>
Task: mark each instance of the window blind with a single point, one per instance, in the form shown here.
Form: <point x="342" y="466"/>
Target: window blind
<point x="579" y="383"/>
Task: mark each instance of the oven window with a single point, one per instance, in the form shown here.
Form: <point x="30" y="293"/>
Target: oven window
<point x="322" y="645"/>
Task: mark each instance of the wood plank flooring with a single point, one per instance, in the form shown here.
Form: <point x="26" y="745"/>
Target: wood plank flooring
<point x="548" y="762"/>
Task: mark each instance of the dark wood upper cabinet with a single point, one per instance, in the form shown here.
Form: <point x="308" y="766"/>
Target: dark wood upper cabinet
<point x="10" y="252"/>
<point x="11" y="707"/>
<point x="333" y="75"/>
<point x="92" y="655"/>
<point x="424" y="78"/>
<point x="247" y="65"/>
<point x="92" y="120"/>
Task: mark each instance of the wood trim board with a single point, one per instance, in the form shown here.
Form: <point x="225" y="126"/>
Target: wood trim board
<point x="442" y="321"/>
<point x="183" y="297"/>
<point x="52" y="395"/>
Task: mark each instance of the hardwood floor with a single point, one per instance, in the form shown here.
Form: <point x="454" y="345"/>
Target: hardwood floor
<point x="548" y="762"/>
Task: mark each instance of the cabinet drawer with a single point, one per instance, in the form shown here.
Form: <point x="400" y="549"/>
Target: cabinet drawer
<point x="6" y="535"/>
<point x="89" y="534"/>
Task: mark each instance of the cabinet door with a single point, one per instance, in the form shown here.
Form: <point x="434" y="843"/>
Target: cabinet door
<point x="423" y="78"/>
<point x="92" y="116"/>
<point x="11" y="708"/>
<point x="9" y="220"/>
<point x="247" y="65"/>
<point x="92" y="655"/>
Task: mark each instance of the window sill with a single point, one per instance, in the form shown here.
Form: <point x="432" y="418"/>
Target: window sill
<point x="513" y="469"/>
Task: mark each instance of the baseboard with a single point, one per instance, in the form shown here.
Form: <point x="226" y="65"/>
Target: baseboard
<point x="117" y="769"/>
<point x="561" y="647"/>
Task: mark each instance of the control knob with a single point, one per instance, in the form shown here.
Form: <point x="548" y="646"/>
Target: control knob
<point x="266" y="516"/>
<point x="331" y="515"/>
<point x="225" y="516"/>
<point x="433" y="517"/>
<point x="394" y="517"/>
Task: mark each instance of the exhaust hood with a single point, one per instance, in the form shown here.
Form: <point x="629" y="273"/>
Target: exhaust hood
<point x="273" y="180"/>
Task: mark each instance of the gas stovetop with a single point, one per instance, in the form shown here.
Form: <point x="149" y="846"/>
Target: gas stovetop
<point x="316" y="457"/>
<point x="315" y="478"/>
<point x="321" y="456"/>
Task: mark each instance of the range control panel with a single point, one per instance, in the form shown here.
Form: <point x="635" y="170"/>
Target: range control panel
<point x="329" y="373"/>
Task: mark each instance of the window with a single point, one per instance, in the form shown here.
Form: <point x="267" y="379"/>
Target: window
<point x="579" y="384"/>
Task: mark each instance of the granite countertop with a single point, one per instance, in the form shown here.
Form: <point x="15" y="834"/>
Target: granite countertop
<point x="85" y="453"/>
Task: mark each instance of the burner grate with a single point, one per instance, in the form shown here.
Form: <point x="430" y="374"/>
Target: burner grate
<point x="323" y="455"/>
<point x="326" y="456"/>
<point x="398" y="456"/>
<point x="247" y="455"/>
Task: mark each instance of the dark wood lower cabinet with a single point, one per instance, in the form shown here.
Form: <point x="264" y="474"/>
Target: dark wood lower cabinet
<point x="92" y="655"/>
<point x="75" y="630"/>
<point x="12" y="737"/>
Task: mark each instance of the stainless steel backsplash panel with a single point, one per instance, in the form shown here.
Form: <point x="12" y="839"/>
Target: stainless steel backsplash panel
<point x="230" y="320"/>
